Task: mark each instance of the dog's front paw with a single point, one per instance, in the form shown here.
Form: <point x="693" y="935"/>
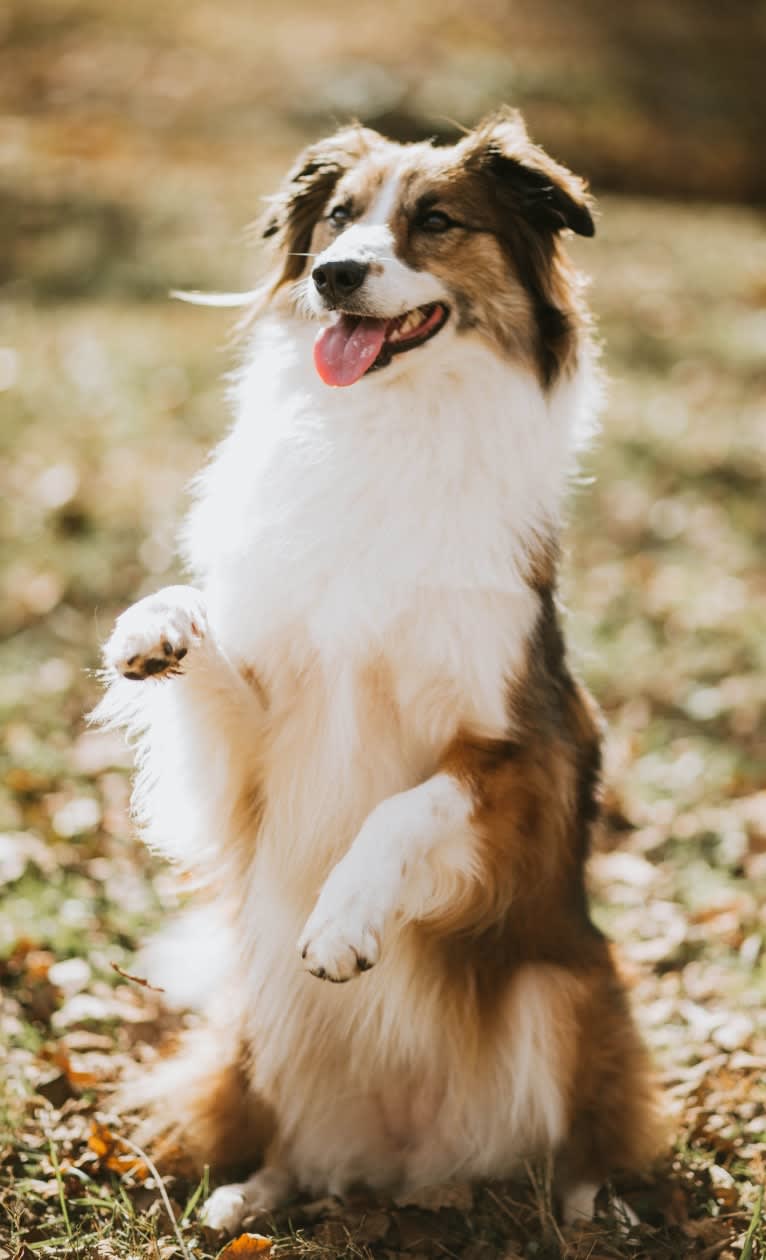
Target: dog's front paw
<point x="153" y="636"/>
<point x="342" y="937"/>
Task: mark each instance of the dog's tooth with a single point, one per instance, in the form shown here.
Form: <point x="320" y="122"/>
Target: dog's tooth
<point x="408" y="323"/>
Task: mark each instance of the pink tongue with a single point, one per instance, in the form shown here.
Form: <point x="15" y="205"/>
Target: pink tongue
<point x="344" y="351"/>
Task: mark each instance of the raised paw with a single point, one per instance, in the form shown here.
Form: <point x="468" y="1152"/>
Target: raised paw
<point x="340" y="942"/>
<point x="153" y="636"/>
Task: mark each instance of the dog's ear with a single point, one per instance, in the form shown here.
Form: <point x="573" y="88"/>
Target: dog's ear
<point x="294" y="211"/>
<point x="526" y="180"/>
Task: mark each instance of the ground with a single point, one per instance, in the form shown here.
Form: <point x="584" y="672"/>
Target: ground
<point x="110" y="397"/>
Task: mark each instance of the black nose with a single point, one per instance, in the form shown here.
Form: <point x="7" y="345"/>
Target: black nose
<point x="336" y="280"/>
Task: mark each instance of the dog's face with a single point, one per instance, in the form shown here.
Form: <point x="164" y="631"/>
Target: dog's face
<point x="391" y="247"/>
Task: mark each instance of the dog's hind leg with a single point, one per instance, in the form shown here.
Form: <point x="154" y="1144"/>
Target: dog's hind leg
<point x="616" y="1123"/>
<point x="230" y="1205"/>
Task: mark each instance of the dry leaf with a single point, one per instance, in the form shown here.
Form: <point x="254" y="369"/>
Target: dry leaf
<point x="113" y="1155"/>
<point x="77" y="1078"/>
<point x="246" y="1246"/>
<point x="458" y="1194"/>
<point x="723" y="1185"/>
<point x="676" y="1208"/>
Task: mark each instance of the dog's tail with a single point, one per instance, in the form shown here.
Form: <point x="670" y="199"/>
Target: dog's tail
<point x="197" y="1106"/>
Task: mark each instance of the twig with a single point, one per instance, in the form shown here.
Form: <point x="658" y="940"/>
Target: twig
<point x="136" y="979"/>
<point x="161" y="1187"/>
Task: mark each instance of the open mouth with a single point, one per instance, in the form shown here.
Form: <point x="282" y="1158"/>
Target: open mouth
<point x="354" y="344"/>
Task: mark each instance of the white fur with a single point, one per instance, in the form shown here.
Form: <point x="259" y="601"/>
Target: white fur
<point x="580" y="1208"/>
<point x="391" y="287"/>
<point x="362" y="551"/>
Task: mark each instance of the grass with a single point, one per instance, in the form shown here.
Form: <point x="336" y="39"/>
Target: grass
<point x="111" y="396"/>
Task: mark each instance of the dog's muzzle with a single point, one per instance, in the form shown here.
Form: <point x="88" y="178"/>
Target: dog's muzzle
<point x="336" y="281"/>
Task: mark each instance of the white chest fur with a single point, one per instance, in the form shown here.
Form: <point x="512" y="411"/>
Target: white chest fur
<point x="382" y="527"/>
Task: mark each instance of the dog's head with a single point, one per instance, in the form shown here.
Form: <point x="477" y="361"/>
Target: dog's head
<point x="391" y="246"/>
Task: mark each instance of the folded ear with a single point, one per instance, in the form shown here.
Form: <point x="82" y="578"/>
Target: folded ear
<point x="544" y="193"/>
<point x="294" y="211"/>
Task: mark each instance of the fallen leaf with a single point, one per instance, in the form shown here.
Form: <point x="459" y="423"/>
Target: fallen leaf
<point x="19" y="849"/>
<point x="723" y="1185"/>
<point x="56" y="1089"/>
<point x="37" y="964"/>
<point x="735" y="1033"/>
<point x="332" y="1234"/>
<point x="457" y="1194"/>
<point x="113" y="1155"/>
<point x="246" y="1246"/>
<point x="71" y="975"/>
<point x="81" y="1008"/>
<point x="77" y="1078"/>
<point x="104" y="1251"/>
<point x="372" y="1228"/>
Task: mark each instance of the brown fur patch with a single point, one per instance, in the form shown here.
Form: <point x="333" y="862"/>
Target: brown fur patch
<point x="505" y="265"/>
<point x="536" y="800"/>
<point x="297" y="207"/>
<point x="251" y="678"/>
<point x="501" y="260"/>
<point x="215" y="1117"/>
<point x="615" y="1122"/>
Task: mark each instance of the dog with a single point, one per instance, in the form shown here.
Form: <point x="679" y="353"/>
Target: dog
<point x="359" y="729"/>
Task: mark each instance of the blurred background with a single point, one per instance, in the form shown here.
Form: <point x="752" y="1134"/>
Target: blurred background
<point x="136" y="141"/>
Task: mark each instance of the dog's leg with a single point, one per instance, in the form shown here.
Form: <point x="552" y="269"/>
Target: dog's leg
<point x="228" y="1206"/>
<point x="579" y="1208"/>
<point x="413" y="854"/>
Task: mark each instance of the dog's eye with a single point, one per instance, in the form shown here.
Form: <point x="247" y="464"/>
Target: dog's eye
<point x="340" y="215"/>
<point x="435" y="221"/>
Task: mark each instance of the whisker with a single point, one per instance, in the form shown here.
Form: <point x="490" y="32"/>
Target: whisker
<point x="195" y="298"/>
<point x="294" y="253"/>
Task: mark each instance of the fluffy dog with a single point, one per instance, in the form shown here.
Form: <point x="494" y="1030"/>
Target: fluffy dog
<point x="359" y="726"/>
